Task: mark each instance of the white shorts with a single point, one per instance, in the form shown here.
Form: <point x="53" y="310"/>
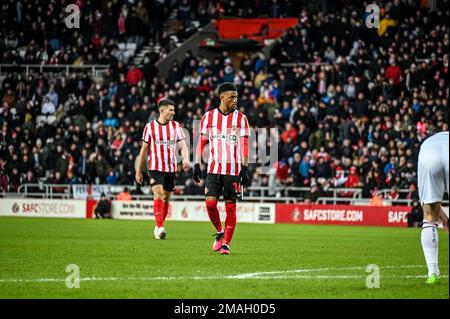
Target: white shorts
<point x="432" y="168"/>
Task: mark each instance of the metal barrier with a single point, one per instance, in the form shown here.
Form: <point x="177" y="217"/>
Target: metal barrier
<point x="95" y="69"/>
<point x="287" y="194"/>
<point x="365" y="201"/>
<point x="65" y="191"/>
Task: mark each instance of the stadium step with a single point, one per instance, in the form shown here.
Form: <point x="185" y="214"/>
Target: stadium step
<point x="171" y="26"/>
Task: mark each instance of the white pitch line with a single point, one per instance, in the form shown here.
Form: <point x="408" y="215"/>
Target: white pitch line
<point x="211" y="278"/>
<point x="257" y="274"/>
<point x="268" y="275"/>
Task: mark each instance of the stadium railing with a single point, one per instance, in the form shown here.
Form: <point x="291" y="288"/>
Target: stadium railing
<point x="95" y="69"/>
<point x="287" y="194"/>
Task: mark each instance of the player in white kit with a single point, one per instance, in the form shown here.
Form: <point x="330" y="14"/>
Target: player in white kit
<point x="433" y="176"/>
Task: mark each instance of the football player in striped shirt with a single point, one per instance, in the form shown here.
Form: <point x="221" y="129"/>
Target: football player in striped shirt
<point x="160" y="141"/>
<point x="227" y="131"/>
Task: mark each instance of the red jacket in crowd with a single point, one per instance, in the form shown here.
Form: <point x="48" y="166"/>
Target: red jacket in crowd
<point x="134" y="76"/>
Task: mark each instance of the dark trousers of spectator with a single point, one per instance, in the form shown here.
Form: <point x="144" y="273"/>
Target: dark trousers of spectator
<point x="99" y="213"/>
<point x="157" y="31"/>
<point x="414" y="220"/>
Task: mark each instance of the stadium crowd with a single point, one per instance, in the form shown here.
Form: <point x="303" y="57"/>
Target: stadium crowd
<point x="36" y="32"/>
<point x="352" y="104"/>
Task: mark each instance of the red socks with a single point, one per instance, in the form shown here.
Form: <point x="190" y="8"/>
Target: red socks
<point x="165" y="209"/>
<point x="158" y="206"/>
<point x="230" y="222"/>
<point x="213" y="213"/>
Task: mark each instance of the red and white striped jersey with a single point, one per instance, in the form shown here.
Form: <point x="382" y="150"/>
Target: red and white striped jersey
<point x="224" y="132"/>
<point x="162" y="140"/>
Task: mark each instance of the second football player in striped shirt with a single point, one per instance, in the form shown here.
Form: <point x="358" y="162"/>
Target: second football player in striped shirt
<point x="159" y="146"/>
<point x="227" y="131"/>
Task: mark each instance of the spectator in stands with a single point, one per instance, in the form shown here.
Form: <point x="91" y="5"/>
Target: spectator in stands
<point x="393" y="71"/>
<point x="353" y="178"/>
<point x="101" y="168"/>
<point x="4" y="180"/>
<point x="376" y="199"/>
<point x="110" y="121"/>
<point x="112" y="178"/>
<point x="124" y="195"/>
<point x="134" y="75"/>
<point x="393" y="194"/>
<point x="282" y="172"/>
<point x="48" y="108"/>
<point x="323" y="168"/>
<point x="83" y="168"/>
<point x="312" y="196"/>
<point x="295" y="169"/>
<point x="304" y="167"/>
<point x="386" y="23"/>
<point x="415" y="217"/>
<point x="103" y="208"/>
<point x="62" y="163"/>
<point x="412" y="192"/>
<point x="29" y="179"/>
<point x="289" y="132"/>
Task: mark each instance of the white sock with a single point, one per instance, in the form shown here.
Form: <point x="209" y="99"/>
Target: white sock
<point x="430" y="244"/>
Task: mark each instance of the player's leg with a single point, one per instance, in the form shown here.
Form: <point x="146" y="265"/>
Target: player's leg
<point x="231" y="186"/>
<point x="156" y="184"/>
<point x="213" y="190"/>
<point x="430" y="239"/>
<point x="168" y="188"/>
<point x="442" y="216"/>
<point x="166" y="201"/>
<point x="431" y="186"/>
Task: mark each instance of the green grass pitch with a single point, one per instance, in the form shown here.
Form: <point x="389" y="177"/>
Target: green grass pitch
<point x="121" y="259"/>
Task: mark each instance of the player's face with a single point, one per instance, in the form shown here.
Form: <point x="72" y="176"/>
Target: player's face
<point x="230" y="99"/>
<point x="168" y="112"/>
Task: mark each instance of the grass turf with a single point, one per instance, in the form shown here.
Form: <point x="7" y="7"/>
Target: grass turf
<point x="120" y="259"/>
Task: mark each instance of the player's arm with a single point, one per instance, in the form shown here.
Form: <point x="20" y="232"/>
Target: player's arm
<point x="181" y="144"/>
<point x="198" y="157"/>
<point x="204" y="139"/>
<point x="141" y="159"/>
<point x="200" y="148"/>
<point x="244" y="152"/>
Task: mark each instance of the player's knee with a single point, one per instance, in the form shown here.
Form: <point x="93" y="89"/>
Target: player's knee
<point x="157" y="195"/>
<point x="431" y="212"/>
<point x="211" y="203"/>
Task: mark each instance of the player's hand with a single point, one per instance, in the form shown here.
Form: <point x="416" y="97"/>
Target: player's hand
<point x="138" y="177"/>
<point x="197" y="173"/>
<point x="185" y="164"/>
<point x="243" y="176"/>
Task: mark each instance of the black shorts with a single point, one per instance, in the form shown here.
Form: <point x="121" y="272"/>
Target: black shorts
<point x="167" y="180"/>
<point x="226" y="185"/>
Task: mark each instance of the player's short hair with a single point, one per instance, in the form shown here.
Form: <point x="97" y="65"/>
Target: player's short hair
<point x="226" y="87"/>
<point x="165" y="102"/>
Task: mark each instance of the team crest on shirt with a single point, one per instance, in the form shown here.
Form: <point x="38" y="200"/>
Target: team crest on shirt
<point x="231" y="139"/>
